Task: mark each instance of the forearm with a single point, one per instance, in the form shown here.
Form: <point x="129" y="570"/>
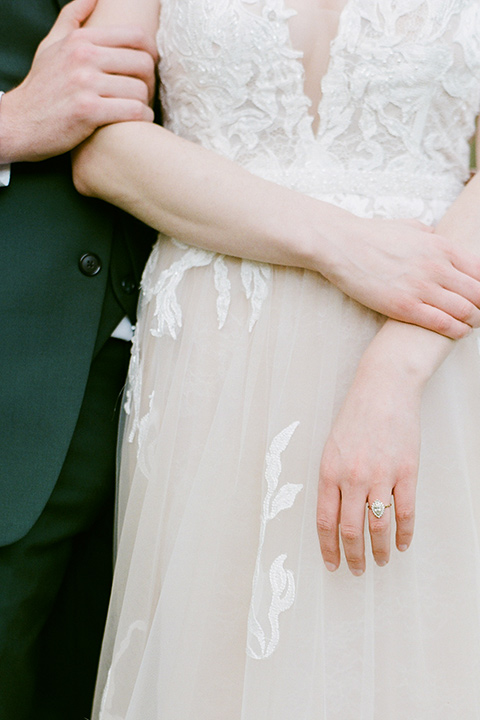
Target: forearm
<point x="203" y="199"/>
<point x="414" y="350"/>
<point x="197" y="196"/>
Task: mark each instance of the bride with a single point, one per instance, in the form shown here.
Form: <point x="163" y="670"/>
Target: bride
<point x="273" y="416"/>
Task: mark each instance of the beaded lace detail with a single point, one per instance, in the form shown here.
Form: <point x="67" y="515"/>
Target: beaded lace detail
<point x="398" y="106"/>
<point x="400" y="95"/>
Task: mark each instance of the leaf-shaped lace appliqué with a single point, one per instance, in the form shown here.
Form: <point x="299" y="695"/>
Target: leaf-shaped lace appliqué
<point x="255" y="277"/>
<point x="168" y="313"/>
<point x="262" y="640"/>
<point x="163" y="288"/>
<point x="223" y="287"/>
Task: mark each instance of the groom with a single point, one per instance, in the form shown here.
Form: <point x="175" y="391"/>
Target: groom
<point x="71" y="268"/>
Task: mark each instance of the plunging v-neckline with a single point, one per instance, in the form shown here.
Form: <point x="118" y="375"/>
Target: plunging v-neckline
<point x="314" y="112"/>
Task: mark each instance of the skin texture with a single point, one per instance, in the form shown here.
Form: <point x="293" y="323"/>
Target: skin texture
<point x="399" y="268"/>
<point x="379" y="457"/>
<point x="80" y="79"/>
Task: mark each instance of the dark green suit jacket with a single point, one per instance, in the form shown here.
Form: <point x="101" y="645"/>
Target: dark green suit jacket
<point x="71" y="267"/>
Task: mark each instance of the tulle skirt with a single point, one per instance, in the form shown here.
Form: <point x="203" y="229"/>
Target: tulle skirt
<point x="221" y="607"/>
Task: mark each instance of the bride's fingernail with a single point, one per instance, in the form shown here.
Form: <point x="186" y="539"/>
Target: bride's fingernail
<point x="330" y="567"/>
<point x="402" y="548"/>
<point x="357" y="573"/>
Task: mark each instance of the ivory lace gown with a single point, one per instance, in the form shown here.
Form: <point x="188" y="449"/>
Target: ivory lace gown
<point x="222" y="609"/>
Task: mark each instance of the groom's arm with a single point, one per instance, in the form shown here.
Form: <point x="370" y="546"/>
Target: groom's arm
<point x="80" y="79"/>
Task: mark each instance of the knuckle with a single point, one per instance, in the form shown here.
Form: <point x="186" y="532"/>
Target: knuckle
<point x="350" y="534"/>
<point x="139" y="36"/>
<point x="82" y="53"/>
<point x="137" y="110"/>
<point x="325" y="526"/>
<point x="329" y="553"/>
<point x="464" y="309"/>
<point x="404" y="537"/>
<point x="354" y="476"/>
<point x="76" y="35"/>
<point x="405" y="305"/>
<point x="476" y="297"/>
<point x="329" y="480"/>
<point x="85" y="107"/>
<point x="328" y="475"/>
<point x="378" y="528"/>
<point x="83" y="77"/>
<point x="442" y="323"/>
<point x="458" y="331"/>
<point x="135" y="37"/>
<point x="444" y="246"/>
<point x="328" y="467"/>
<point x="146" y="64"/>
<point x="143" y="93"/>
<point x="407" y="473"/>
<point x="436" y="266"/>
<point x="405" y="515"/>
<point x="355" y="562"/>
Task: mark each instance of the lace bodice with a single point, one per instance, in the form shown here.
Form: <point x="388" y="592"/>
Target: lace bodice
<point x="399" y="97"/>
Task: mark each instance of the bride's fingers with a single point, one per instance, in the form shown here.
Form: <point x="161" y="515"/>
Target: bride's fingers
<point x="379" y="521"/>
<point x="459" y="306"/>
<point x="466" y="262"/>
<point x="465" y="285"/>
<point x="328" y="517"/>
<point x="404" y="494"/>
<point x="439" y="321"/>
<point x="352" y="524"/>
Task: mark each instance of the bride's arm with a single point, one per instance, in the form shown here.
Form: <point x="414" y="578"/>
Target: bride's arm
<point x="376" y="456"/>
<point x="397" y="268"/>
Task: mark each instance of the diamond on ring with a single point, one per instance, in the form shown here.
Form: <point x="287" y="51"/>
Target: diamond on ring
<point x="378" y="508"/>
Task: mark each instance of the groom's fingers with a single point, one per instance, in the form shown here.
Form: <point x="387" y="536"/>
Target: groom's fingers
<point x="328" y="517"/>
<point x="128" y="62"/>
<point x="126" y="36"/>
<point x="113" y="110"/>
<point x="71" y="17"/>
<point x="75" y="86"/>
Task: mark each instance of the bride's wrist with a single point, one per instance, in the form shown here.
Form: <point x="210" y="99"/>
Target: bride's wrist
<point x="408" y="353"/>
<point x="321" y="245"/>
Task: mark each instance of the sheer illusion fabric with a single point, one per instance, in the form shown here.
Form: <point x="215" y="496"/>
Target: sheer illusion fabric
<point x="221" y="608"/>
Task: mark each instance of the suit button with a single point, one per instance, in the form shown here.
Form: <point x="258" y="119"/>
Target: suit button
<point x="90" y="264"/>
<point x="128" y="285"/>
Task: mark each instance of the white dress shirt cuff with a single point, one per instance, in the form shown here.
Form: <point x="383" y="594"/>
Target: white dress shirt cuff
<point x="124" y="330"/>
<point x="4" y="169"/>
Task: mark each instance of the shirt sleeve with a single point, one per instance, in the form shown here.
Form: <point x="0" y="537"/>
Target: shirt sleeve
<point x="4" y="169"/>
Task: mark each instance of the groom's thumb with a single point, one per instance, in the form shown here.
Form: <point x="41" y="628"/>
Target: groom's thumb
<point x="71" y="17"/>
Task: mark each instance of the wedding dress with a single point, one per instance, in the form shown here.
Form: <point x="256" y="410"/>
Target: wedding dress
<point x="222" y="608"/>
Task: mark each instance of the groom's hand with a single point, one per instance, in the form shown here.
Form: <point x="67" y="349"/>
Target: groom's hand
<point x="81" y="78"/>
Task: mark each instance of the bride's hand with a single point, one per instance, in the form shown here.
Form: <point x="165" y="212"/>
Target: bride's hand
<point x="372" y="453"/>
<point x="404" y="270"/>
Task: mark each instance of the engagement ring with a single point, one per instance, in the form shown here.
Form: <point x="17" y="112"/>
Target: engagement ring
<point x="378" y="508"/>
